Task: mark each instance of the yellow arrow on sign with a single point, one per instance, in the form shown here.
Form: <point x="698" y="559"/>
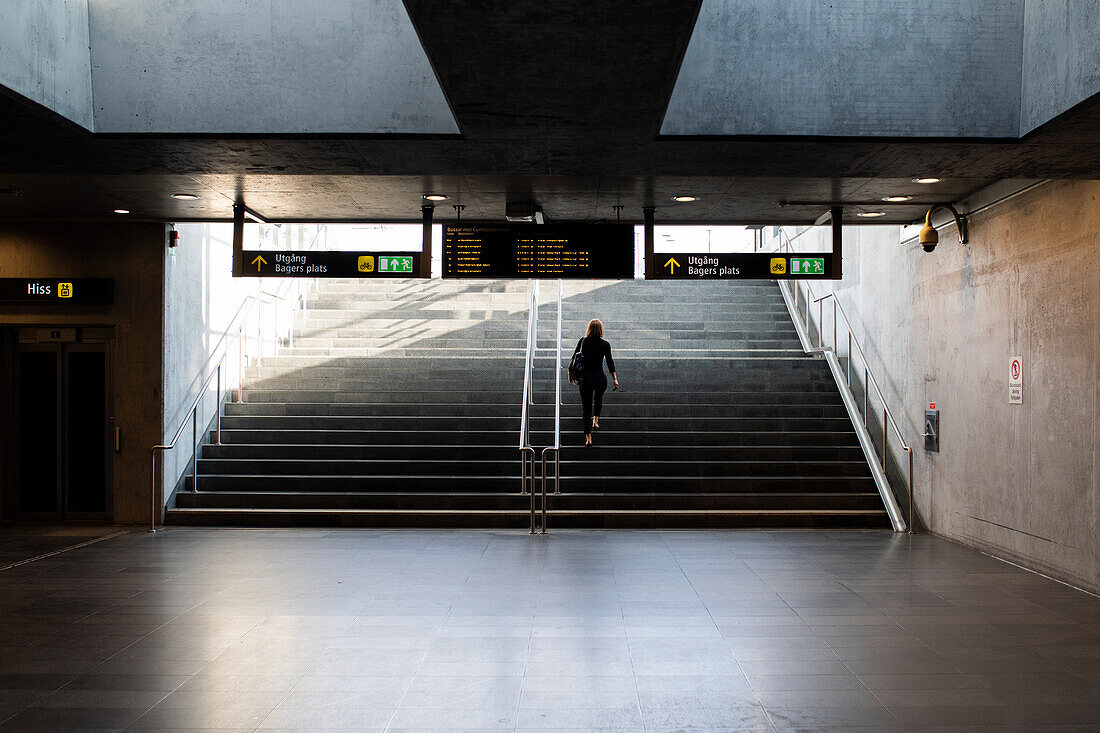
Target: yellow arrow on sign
<point x="259" y="261"/>
<point x="672" y="264"/>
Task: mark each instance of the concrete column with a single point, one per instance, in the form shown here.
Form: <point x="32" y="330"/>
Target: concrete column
<point x="238" y="240"/>
<point x="650" y="269"/>
<point x="837" y="215"/>
<point x="426" y="241"/>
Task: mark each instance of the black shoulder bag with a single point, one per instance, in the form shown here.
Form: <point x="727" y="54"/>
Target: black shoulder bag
<point x="576" y="364"/>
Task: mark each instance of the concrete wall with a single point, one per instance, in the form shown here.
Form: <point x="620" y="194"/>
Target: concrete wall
<point x="851" y="67"/>
<point x="132" y="255"/>
<point x="44" y="55"/>
<point x="1019" y="481"/>
<point x="201" y="300"/>
<point x="274" y="66"/>
<point x="202" y="304"/>
<point x="1061" y="65"/>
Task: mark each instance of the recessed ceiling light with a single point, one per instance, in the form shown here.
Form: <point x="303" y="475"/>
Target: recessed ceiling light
<point x="684" y="199"/>
<point x="926" y="180"/>
<point x="436" y="197"/>
<point x="871" y="214"/>
<point x="185" y="196"/>
<point x="897" y="199"/>
<point x="122" y="211"/>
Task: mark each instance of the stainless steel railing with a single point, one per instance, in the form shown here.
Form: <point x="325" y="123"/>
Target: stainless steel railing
<point x="791" y="290"/>
<point x="555" y="448"/>
<point x="192" y="415"/>
<point x="527" y="451"/>
<point x="215" y="369"/>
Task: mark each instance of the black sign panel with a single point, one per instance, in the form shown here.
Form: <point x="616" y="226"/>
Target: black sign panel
<point x="286" y="263"/>
<point x="747" y="266"/>
<point x="66" y="291"/>
<point x="539" y="251"/>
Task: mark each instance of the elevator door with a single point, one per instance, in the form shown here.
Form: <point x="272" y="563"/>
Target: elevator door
<point x="62" y="432"/>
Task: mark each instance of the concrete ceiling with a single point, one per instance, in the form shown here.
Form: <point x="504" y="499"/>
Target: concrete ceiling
<point x="553" y="105"/>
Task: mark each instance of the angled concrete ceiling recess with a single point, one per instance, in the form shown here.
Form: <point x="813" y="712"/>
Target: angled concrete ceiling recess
<point x="350" y="109"/>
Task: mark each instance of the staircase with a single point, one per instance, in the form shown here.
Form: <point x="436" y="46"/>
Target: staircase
<point x="722" y="420"/>
<point x="398" y="406"/>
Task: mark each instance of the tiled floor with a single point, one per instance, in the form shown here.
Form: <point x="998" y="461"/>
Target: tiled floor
<point x="21" y="542"/>
<point x="589" y="631"/>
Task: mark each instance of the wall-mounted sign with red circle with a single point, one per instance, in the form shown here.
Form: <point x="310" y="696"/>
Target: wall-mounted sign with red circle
<point x="1015" y="381"/>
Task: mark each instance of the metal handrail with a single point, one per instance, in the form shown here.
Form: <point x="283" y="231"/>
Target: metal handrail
<point x="525" y="448"/>
<point x="193" y="416"/>
<point x="790" y="293"/>
<point x="556" y="447"/>
<point x="240" y="320"/>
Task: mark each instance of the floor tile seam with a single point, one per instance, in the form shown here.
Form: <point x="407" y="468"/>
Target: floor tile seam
<point x="633" y="671"/>
<point x="920" y="638"/>
<point x="876" y="697"/>
<point x="300" y="676"/>
<point x="137" y="641"/>
<point x="423" y="659"/>
<point x="163" y="583"/>
<point x="523" y="677"/>
<point x="800" y="554"/>
<point x="77" y="546"/>
<point x="725" y="640"/>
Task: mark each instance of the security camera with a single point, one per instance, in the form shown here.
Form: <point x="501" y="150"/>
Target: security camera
<point x="929" y="237"/>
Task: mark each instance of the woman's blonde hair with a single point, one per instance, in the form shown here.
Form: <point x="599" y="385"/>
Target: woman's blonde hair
<point x="595" y="328"/>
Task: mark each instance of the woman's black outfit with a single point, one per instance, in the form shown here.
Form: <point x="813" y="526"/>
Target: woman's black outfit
<point x="593" y="381"/>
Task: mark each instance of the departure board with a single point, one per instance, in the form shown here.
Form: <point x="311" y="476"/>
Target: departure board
<point x="539" y="251"/>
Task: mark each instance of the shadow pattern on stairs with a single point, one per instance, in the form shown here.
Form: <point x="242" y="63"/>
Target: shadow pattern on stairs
<point x="399" y="405"/>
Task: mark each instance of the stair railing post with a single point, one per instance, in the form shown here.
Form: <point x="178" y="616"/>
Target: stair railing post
<point x="820" y="323"/>
<point x="849" y="359"/>
<point x="835" y="344"/>
<point x="910" y="490"/>
<point x="866" y="391"/>
<point x="218" y="437"/>
<point x="195" y="448"/>
<point x="240" y="364"/>
<point x="532" y="486"/>
<point x="884" y="435"/>
<point x="544" y="492"/>
<point x="557" y="472"/>
<point x="153" y="495"/>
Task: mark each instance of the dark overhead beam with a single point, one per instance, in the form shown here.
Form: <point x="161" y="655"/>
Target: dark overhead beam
<point x="540" y="73"/>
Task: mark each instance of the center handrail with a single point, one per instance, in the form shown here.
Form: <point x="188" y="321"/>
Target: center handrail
<point x="843" y="377"/>
<point x="525" y="448"/>
<point x="556" y="446"/>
